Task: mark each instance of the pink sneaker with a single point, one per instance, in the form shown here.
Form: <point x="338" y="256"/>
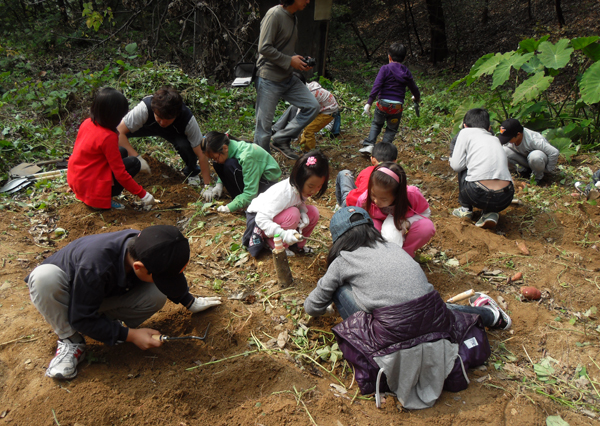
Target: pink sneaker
<point x="482" y="300"/>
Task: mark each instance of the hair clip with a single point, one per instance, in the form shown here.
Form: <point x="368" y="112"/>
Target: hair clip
<point x="311" y="161"/>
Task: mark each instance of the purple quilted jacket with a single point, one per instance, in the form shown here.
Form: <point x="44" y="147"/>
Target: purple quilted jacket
<point x="363" y="336"/>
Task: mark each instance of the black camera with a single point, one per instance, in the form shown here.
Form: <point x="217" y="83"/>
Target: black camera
<point x="310" y="62"/>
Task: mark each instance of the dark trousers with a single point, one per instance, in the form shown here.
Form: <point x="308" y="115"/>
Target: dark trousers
<point x="474" y="194"/>
<point x="230" y="173"/>
<point x="182" y="146"/>
<point x="132" y="165"/>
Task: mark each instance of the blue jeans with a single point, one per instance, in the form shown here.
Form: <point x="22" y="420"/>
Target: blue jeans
<point x="474" y="194"/>
<point x="344" y="183"/>
<point x="268" y="94"/>
<point x="346" y="305"/>
<point x="392" y="124"/>
<point x="344" y="301"/>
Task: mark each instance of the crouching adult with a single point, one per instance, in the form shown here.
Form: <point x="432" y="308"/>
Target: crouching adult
<point x="104" y="286"/>
<point x="397" y="331"/>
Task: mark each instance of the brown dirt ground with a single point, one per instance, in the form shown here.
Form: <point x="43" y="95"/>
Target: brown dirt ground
<point x="123" y="385"/>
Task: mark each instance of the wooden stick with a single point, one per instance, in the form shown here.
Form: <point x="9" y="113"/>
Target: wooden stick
<point x="461" y="296"/>
<point x="302" y="237"/>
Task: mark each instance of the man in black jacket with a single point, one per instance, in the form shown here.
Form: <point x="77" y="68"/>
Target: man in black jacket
<point x="103" y="286"/>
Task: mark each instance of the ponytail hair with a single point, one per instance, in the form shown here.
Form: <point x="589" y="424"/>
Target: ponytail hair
<point x="392" y="178"/>
<point x="214" y="142"/>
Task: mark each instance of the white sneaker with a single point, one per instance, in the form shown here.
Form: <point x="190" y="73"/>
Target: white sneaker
<point x="289" y="253"/>
<point x="64" y="363"/>
<point x="194" y="180"/>
<point x="367" y="150"/>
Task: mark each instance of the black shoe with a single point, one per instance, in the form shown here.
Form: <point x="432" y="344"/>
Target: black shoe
<point x="285" y="149"/>
<point x="194" y="172"/>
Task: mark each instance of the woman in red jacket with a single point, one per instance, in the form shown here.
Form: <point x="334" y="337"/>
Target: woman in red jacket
<point x="98" y="168"/>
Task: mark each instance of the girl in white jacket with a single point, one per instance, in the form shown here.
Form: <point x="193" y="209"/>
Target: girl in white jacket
<point x="282" y="208"/>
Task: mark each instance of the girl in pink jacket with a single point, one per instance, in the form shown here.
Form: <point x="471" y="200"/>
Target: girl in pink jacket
<point x="399" y="212"/>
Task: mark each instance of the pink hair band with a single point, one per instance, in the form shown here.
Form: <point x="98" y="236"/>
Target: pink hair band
<point x="389" y="173"/>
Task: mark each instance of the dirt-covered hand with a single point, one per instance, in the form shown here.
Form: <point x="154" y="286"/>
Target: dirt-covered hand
<point x="144" y="165"/>
<point x="203" y="303"/>
<point x="142" y="338"/>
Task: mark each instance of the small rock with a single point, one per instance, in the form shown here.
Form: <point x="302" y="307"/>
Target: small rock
<point x="521" y="245"/>
<point x="282" y="339"/>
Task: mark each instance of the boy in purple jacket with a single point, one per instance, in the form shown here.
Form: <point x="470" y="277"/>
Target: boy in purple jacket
<point x="389" y="87"/>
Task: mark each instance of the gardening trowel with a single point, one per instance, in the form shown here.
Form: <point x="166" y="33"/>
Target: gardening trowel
<point x="27" y="169"/>
<point x="24" y="181"/>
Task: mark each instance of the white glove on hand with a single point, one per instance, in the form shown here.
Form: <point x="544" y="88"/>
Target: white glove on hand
<point x="147" y="201"/>
<point x="390" y="233"/>
<point x="367" y="108"/>
<point x="304" y="221"/>
<point x="223" y="209"/>
<point x="144" y="165"/>
<point x="288" y="237"/>
<point x="210" y="194"/>
<point x="203" y="303"/>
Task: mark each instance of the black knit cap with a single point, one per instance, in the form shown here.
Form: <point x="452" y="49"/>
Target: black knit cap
<point x="165" y="252"/>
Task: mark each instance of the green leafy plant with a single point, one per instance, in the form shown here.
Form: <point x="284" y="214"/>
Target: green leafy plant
<point x="522" y="86"/>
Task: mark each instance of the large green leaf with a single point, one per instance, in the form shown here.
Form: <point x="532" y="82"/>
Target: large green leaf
<point x="555" y="55"/>
<point x="533" y="65"/>
<point x="530" y="44"/>
<point x="502" y="71"/>
<point x="488" y="67"/>
<point x="460" y="112"/>
<point x="471" y="77"/>
<point x="592" y="51"/>
<point x="590" y="84"/>
<point x="564" y="146"/>
<point x="532" y="87"/>
<point x="581" y="42"/>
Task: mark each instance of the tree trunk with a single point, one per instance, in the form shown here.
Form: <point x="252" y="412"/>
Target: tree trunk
<point x="485" y="12"/>
<point x="415" y="27"/>
<point x="559" y="14"/>
<point x="437" y="25"/>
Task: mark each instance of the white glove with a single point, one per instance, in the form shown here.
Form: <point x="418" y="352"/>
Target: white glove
<point x="390" y="233"/>
<point x="304" y="221"/>
<point x="147" y="201"/>
<point x="223" y="209"/>
<point x="288" y="237"/>
<point x="144" y="165"/>
<point x="367" y="108"/>
<point x="210" y="194"/>
<point x="203" y="303"/>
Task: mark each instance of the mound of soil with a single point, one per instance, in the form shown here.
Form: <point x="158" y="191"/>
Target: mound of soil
<point x="239" y="376"/>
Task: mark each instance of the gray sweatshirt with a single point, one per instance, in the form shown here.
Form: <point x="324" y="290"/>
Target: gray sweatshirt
<point x="276" y="44"/>
<point x="534" y="141"/>
<point x="381" y="276"/>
